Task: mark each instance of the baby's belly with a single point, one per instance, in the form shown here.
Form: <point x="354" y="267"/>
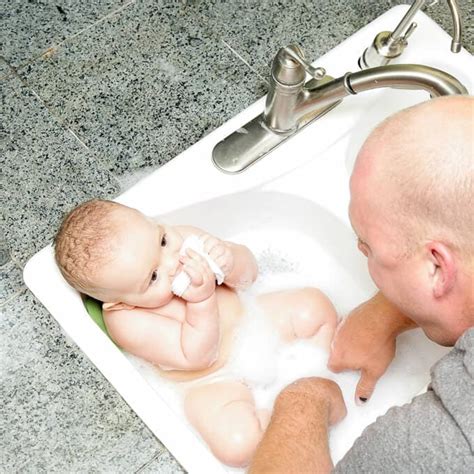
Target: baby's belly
<point x="230" y="312"/>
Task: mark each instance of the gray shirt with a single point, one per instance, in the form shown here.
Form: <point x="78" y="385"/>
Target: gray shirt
<point x="434" y="433"/>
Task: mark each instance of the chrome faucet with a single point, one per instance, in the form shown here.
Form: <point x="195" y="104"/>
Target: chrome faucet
<point x="291" y="103"/>
<point x="388" y="45"/>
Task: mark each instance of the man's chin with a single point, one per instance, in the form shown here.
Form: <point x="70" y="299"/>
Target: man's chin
<point x="441" y="339"/>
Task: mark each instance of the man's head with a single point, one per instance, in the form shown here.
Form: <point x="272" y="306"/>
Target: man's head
<point x="411" y="207"/>
<point x="116" y="254"/>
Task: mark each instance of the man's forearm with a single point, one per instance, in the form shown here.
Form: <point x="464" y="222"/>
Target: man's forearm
<point x="296" y="440"/>
<point x="390" y="316"/>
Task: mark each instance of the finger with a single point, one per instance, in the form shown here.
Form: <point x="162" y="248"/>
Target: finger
<point x="197" y="259"/>
<point x="194" y="274"/>
<point x="209" y="242"/>
<point x="200" y="265"/>
<point x="338" y="361"/>
<point x="365" y="387"/>
<point x="192" y="254"/>
<point x="335" y="363"/>
<point x="221" y="262"/>
<point x="338" y="407"/>
<point x="217" y="252"/>
<point x="337" y="357"/>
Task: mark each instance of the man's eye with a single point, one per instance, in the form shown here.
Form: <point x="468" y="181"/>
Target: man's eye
<point x="163" y="240"/>
<point x="154" y="277"/>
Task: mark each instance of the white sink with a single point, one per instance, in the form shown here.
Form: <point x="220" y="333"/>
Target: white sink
<point x="291" y="209"/>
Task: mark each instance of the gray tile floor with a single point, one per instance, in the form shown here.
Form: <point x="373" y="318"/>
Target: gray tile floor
<point x="95" y="94"/>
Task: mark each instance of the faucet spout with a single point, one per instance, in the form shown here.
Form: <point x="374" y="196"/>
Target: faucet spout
<point x="400" y="76"/>
<point x="457" y="26"/>
<point x="291" y="103"/>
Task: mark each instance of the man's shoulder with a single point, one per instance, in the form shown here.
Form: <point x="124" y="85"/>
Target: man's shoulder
<point x="418" y="436"/>
<point x="466" y="343"/>
<point x="452" y="379"/>
<point x="458" y="363"/>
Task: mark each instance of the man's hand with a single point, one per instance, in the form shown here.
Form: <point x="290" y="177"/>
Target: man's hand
<point x="203" y="280"/>
<point x="315" y="391"/>
<point x="296" y="439"/>
<point x="366" y="341"/>
<point x="219" y="252"/>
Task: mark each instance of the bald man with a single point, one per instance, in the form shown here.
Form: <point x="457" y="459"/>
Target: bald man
<point x="411" y="208"/>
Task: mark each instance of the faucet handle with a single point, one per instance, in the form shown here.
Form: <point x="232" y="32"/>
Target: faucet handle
<point x="409" y="31"/>
<point x="295" y="52"/>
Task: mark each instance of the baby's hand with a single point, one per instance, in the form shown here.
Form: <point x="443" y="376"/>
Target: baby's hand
<point x="203" y="280"/>
<point x="219" y="252"/>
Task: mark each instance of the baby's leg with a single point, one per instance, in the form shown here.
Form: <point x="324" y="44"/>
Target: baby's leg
<point x="224" y="413"/>
<point x="304" y="313"/>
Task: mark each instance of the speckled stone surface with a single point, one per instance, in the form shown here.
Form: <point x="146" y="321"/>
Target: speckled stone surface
<point x="162" y="463"/>
<point x="5" y="69"/>
<point x="29" y="27"/>
<point x="46" y="171"/>
<point x="11" y="281"/>
<point x="125" y="87"/>
<point x="442" y="15"/>
<point x="58" y="413"/>
<point x="257" y="29"/>
<point x="143" y="86"/>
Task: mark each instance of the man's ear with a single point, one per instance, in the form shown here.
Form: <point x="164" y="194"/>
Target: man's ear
<point x="442" y="268"/>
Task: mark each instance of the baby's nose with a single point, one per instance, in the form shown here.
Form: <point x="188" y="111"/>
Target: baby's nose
<point x="172" y="262"/>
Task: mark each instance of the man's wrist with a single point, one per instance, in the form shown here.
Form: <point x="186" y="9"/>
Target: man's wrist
<point x="391" y="317"/>
<point x="297" y="411"/>
<point x="398" y="322"/>
<point x="311" y="401"/>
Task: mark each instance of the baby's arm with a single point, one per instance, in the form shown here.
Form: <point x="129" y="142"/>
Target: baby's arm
<point x="245" y="270"/>
<point x="236" y="261"/>
<point x="191" y="344"/>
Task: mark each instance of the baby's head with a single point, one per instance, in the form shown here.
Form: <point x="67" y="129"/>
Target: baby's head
<point x="116" y="254"/>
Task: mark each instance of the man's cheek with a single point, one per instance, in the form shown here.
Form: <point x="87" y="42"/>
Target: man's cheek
<point x="374" y="273"/>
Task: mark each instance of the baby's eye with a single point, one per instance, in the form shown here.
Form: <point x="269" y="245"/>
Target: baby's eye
<point x="163" y="240"/>
<point x="154" y="277"/>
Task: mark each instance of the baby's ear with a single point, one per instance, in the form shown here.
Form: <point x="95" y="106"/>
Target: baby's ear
<point x="116" y="306"/>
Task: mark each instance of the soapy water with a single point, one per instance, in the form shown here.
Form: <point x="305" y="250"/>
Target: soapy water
<point x="290" y="260"/>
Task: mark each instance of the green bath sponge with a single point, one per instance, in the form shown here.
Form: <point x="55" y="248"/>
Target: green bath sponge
<point x="94" y="308"/>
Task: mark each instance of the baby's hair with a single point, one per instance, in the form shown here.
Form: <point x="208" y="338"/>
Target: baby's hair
<point x="84" y="242"/>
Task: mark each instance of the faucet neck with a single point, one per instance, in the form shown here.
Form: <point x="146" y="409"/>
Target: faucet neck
<point x="313" y="100"/>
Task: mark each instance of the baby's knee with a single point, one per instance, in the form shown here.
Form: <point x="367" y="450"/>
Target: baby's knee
<point x="240" y="432"/>
<point x="315" y="312"/>
<point x="226" y="417"/>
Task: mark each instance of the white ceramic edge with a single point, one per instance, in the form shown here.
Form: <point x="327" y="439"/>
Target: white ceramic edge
<point x="43" y="279"/>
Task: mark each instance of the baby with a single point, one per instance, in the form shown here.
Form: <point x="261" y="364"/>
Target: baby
<point x="128" y="261"/>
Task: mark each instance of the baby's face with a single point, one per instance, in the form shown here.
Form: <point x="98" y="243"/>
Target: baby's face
<point x="144" y="261"/>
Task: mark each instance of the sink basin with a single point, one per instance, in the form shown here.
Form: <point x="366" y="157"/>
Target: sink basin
<point x="291" y="209"/>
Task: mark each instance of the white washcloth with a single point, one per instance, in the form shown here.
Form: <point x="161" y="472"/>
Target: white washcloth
<point x="182" y="280"/>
